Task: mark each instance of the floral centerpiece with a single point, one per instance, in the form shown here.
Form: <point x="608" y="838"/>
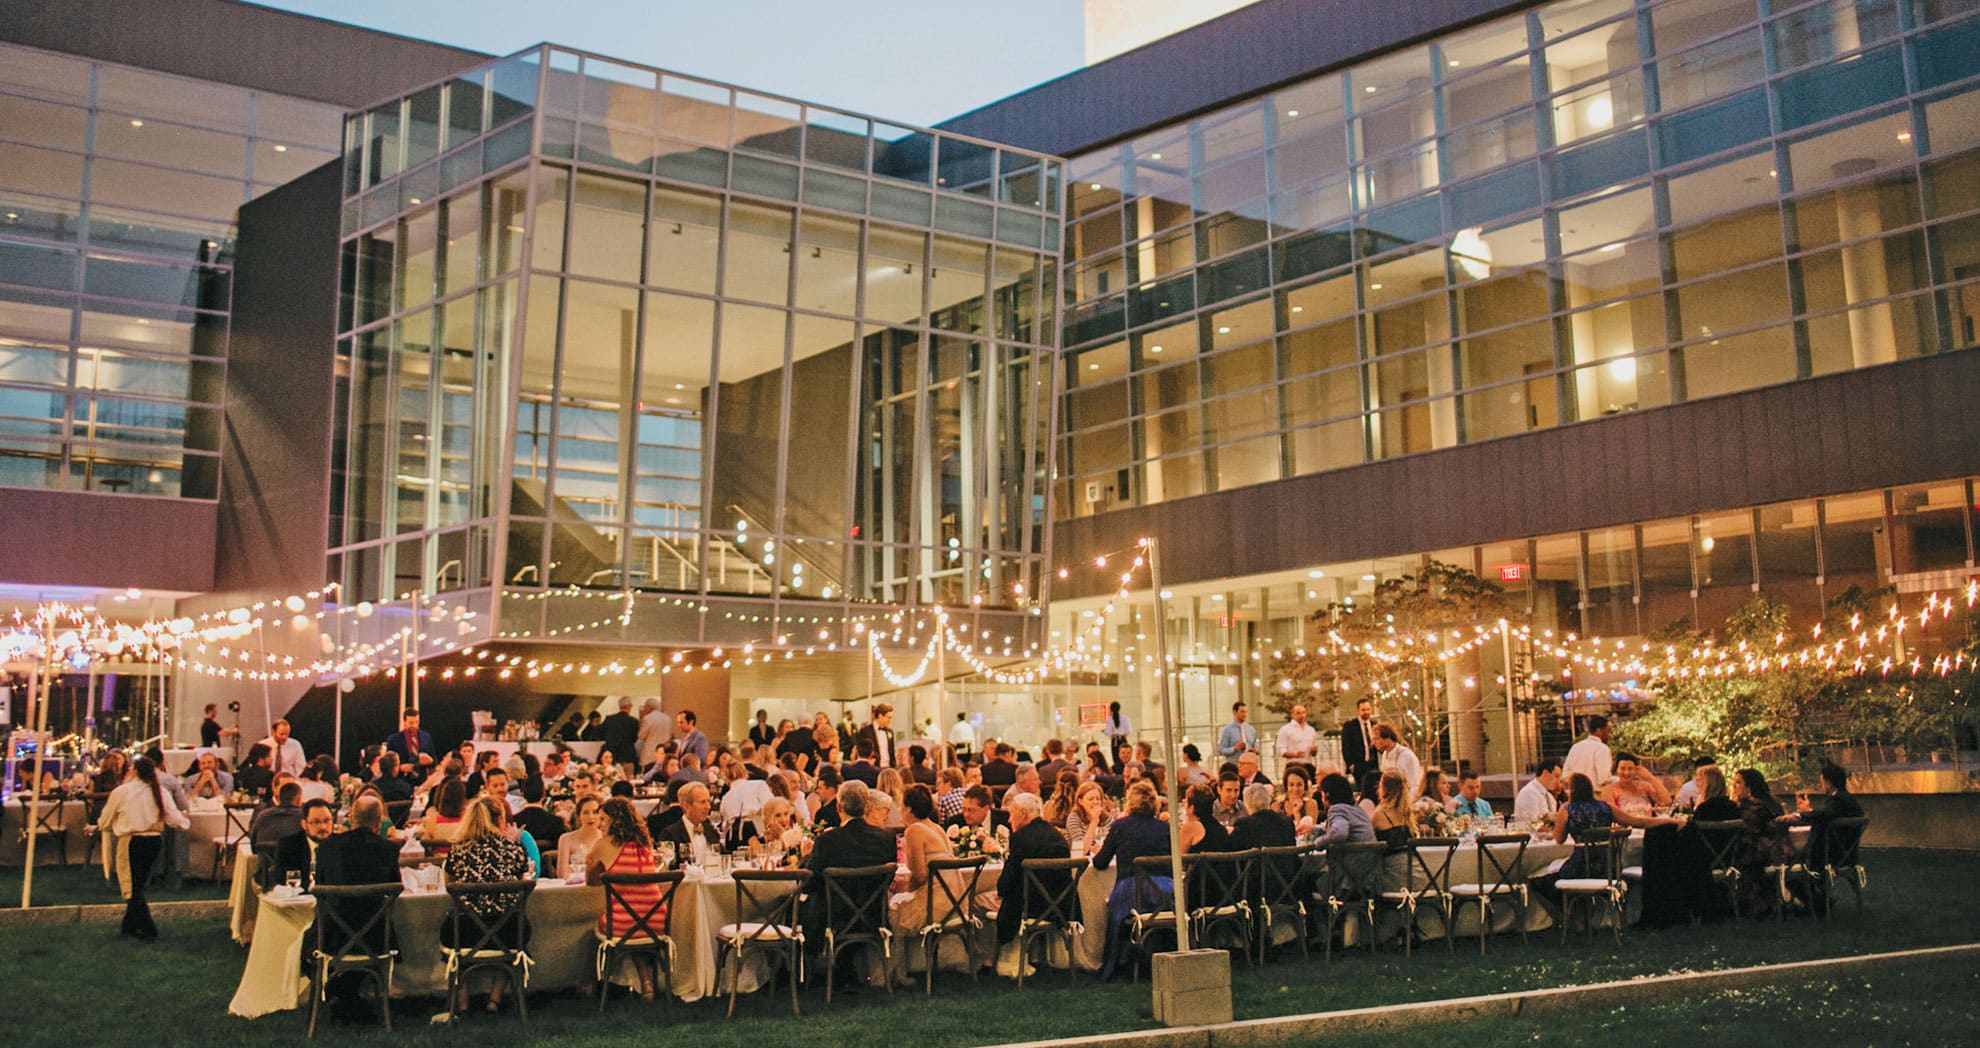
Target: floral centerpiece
<point x="970" y="841"/>
<point x="1432" y="820"/>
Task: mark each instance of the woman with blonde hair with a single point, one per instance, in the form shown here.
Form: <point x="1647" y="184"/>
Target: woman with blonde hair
<point x="1394" y="824"/>
<point x="482" y="854"/>
<point x="891" y="784"/>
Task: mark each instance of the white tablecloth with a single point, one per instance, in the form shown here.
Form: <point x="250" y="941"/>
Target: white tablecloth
<point x="561" y="946"/>
<point x="48" y="851"/>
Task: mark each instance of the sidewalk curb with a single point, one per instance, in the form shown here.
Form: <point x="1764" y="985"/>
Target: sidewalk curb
<point x="100" y="913"/>
<point x="1255" y="1033"/>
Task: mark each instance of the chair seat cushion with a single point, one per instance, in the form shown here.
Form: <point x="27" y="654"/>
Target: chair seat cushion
<point x="755" y="930"/>
<point x="1634" y="873"/>
<point x="1583" y="884"/>
<point x="466" y="954"/>
<point x="1484" y="889"/>
<point x="641" y="939"/>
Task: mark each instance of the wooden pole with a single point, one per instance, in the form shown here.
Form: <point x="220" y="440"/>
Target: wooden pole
<point x="40" y="705"/>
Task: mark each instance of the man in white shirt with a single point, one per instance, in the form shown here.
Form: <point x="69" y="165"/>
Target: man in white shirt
<point x="1398" y="758"/>
<point x="1297" y="740"/>
<point x="654" y="729"/>
<point x="1591" y="755"/>
<point x="1540" y="795"/>
<point x="286" y="752"/>
<point x="962" y="735"/>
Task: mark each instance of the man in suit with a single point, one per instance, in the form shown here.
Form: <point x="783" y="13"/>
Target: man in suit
<point x="1262" y="826"/>
<point x="654" y="729"/>
<point x="862" y="768"/>
<point x="879" y="734"/>
<point x="1031" y="838"/>
<point x="280" y="820"/>
<point x="917" y="769"/>
<point x="1000" y="769"/>
<point x="1358" y="742"/>
<point x="694" y="823"/>
<point x="359" y="855"/>
<point x="688" y="738"/>
<point x="413" y="746"/>
<point x="861" y="840"/>
<point x="298" y="851"/>
<point x="978" y="810"/>
<point x="825" y="798"/>
<point x="1055" y="759"/>
<point x="1248" y="773"/>
<point x="620" y="733"/>
<point x="392" y="786"/>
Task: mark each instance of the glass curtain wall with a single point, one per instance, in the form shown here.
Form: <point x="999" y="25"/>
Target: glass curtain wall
<point x="118" y="194"/>
<point x="1589" y="207"/>
<point x="744" y="360"/>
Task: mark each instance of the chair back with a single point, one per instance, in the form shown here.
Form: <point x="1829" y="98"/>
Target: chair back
<point x="1218" y="880"/>
<point x="856" y="900"/>
<point x="1051" y="890"/>
<point x="49" y="818"/>
<point x="1604" y="855"/>
<point x="1842" y="842"/>
<point x="486" y="911"/>
<point x="354" y="921"/>
<point x="1430" y="858"/>
<point x="1722" y="840"/>
<point x="240" y="817"/>
<point x="398" y="812"/>
<point x="771" y="897"/>
<point x="1500" y="860"/>
<point x="1147" y="896"/>
<point x="1278" y="874"/>
<point x="953" y="896"/>
<point x="1355" y="871"/>
<point x="653" y="920"/>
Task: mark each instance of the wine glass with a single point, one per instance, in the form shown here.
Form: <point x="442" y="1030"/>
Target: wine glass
<point x="293" y="879"/>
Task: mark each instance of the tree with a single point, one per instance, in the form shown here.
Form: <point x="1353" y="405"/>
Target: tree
<point x="1382" y="646"/>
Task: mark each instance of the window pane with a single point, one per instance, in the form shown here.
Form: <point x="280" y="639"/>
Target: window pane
<point x="607" y="220"/>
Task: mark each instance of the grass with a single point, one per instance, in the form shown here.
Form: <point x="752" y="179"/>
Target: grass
<point x="177" y="989"/>
<point x="84" y="885"/>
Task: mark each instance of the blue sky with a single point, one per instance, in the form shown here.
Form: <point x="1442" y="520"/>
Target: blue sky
<point x="917" y="61"/>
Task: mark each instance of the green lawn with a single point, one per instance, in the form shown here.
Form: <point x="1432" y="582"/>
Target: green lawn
<point x="177" y="989"/>
<point x="83" y="885"/>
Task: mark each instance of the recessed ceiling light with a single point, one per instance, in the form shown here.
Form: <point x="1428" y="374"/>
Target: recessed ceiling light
<point x="1095" y="187"/>
<point x="1316" y="574"/>
<point x="137" y="123"/>
<point x="415" y="200"/>
<point x="1368" y="578"/>
<point x="1154" y="349"/>
<point x="1154" y="156"/>
<point x="680" y="385"/>
<point x="1216" y="596"/>
<point x="1612" y="247"/>
<point x="1455" y="63"/>
<point x="1292" y="112"/>
<point x="1369" y="90"/>
<point x="1299" y="309"/>
<point x="1223" y="331"/>
<point x="1374" y="287"/>
<point x="1092" y="367"/>
<point x="1904" y="136"/>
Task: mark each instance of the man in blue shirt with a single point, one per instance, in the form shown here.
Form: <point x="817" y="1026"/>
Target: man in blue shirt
<point x="1237" y="737"/>
<point x="1468" y="800"/>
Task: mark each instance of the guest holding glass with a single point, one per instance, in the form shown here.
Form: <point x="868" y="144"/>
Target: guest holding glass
<point x="1765" y="842"/>
<point x="445" y="818"/>
<point x="1635" y="789"/>
<point x="1092" y="812"/>
<point x="922" y="839"/>
<point x="587" y="828"/>
<point x="1298" y="803"/>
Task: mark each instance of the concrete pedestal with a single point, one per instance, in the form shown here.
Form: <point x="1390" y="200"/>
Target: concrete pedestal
<point x="1192" y="987"/>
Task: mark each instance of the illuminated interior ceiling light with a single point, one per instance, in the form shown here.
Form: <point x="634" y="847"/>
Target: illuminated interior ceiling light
<point x="1154" y="349"/>
<point x="281" y="149"/>
<point x="1095" y="187"/>
<point x="1369" y="90"/>
<point x="1623" y="368"/>
<point x="1154" y="156"/>
<point x="1600" y="112"/>
<point x="1472" y="254"/>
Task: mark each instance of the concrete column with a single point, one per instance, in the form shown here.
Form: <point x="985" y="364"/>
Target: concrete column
<point x="1442" y="367"/>
<point x="1872" y="334"/>
<point x="706" y="692"/>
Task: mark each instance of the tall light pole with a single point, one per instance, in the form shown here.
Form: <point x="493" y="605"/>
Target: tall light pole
<point x="1171" y="742"/>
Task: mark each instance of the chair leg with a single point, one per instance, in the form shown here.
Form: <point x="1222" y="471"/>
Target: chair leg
<point x="929" y="948"/>
<point x="520" y="981"/>
<point x="725" y="954"/>
<point x="604" y="982"/>
<point x="315" y="999"/>
<point x="831" y="969"/>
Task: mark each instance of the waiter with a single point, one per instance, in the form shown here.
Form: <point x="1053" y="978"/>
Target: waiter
<point x="210" y="731"/>
<point x="1358" y="742"/>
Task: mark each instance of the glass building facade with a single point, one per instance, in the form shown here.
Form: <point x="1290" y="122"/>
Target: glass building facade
<point x="1589" y="207"/>
<point x="118" y="193"/>
<point x="656" y="359"/>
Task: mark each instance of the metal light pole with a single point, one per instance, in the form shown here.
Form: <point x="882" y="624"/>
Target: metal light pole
<point x="1512" y="721"/>
<point x="1170" y="742"/>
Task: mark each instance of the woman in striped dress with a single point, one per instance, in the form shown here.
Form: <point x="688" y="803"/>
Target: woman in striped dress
<point x="625" y="848"/>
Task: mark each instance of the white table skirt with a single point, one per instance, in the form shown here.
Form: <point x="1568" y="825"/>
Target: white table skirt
<point x="562" y="947"/>
<point x="47" y="850"/>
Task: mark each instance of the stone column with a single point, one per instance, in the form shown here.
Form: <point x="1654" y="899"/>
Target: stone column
<point x="1872" y="333"/>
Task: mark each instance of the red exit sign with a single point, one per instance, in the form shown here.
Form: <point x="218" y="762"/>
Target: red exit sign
<point x="1511" y="572"/>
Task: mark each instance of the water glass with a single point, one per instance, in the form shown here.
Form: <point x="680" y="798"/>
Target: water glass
<point x="293" y="879"/>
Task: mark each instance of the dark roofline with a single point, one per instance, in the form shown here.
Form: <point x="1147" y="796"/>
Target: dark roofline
<point x="1249" y="50"/>
<point x="237" y="43"/>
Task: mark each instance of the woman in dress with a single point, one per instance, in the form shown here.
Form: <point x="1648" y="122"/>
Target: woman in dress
<point x="1765" y="842"/>
<point x="784" y="785"/>
<point x="1201" y="832"/>
<point x="110" y="772"/>
<point x="921" y="840"/>
<point x="444" y="819"/>
<point x="1059" y="807"/>
<point x="1092" y="813"/>
<point x="1585" y="820"/>
<point x="483" y="854"/>
<point x="587" y="829"/>
<point x="624" y="848"/>
<point x="779" y="833"/>
<point x="1432" y="802"/>
<point x="1136" y="835"/>
<point x="1634" y="789"/>
<point x="1298" y="803"/>
<point x="1394" y="823"/>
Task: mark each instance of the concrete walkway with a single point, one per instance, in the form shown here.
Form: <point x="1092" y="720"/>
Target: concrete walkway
<point x="1399" y="1017"/>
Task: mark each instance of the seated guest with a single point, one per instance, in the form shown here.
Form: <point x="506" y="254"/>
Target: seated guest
<point x="1247" y="769"/>
<point x="444" y="818"/>
<point x="784" y="783"/>
<point x="949" y="793"/>
<point x="483" y="853"/>
<point x="695" y="835"/>
<point x="359" y="855"/>
<point x="1837" y="803"/>
<point x="918" y="769"/>
<point x="861" y="840"/>
<point x="1060" y="805"/>
<point x="483" y="761"/>
<point x="255" y="777"/>
<point x="1713" y="801"/>
<point x="1299" y="805"/>
<point x="1394" y="823"/>
<point x="1433" y="799"/>
<point x="1371" y="791"/>
<point x="296" y="853"/>
<point x="1689" y="794"/>
<point x="282" y="819"/>
<point x="922" y="840"/>
<point x="535" y="819"/>
<point x="1001" y="768"/>
<point x="862" y="768"/>
<point x="1201" y="832"/>
<point x="1028" y="780"/>
<point x="1469" y="803"/>
<point x="319" y="780"/>
<point x="392" y="786"/>
<point x="1262" y="825"/>
<point x="1031" y="838"/>
<point x="623" y="848"/>
<point x="1145" y="756"/>
<point x="1634" y="789"/>
<point x="978" y="810"/>
<point x="1092" y="812"/>
<point x="1584" y="820"/>
<point x="1055" y="761"/>
<point x="1193" y="770"/>
<point x="587" y="826"/>
<point x="778" y="832"/>
<point x="1765" y="841"/>
<point x="1135" y="835"/>
<point x="1230" y="805"/>
<point x="825" y="796"/>
<point x="1540" y="794"/>
<point x="208" y="781"/>
<point x="1345" y="821"/>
